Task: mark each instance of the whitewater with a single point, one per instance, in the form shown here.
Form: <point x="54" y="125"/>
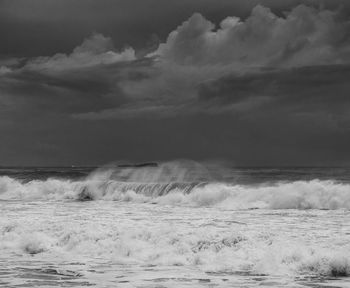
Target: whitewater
<point x="174" y="224"/>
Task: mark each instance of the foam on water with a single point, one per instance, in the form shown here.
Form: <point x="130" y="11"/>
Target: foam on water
<point x="206" y="240"/>
<point x="178" y="223"/>
<point x="182" y="184"/>
<point x="235" y="251"/>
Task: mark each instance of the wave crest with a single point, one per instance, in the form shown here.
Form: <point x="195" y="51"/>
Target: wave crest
<point x="314" y="194"/>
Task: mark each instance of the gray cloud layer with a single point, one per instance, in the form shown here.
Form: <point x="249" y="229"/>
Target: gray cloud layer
<point x="305" y="36"/>
<point x="95" y="50"/>
<point x="171" y="80"/>
<point x="263" y="72"/>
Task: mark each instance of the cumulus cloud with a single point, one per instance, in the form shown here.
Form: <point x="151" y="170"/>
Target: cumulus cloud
<point x="95" y="50"/>
<point x="304" y="36"/>
<point x="255" y="86"/>
<point x="235" y="68"/>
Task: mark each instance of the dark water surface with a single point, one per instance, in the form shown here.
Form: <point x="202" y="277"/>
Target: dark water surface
<point x="239" y="175"/>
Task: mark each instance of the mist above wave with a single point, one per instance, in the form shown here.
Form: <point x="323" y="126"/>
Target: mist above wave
<point x="182" y="183"/>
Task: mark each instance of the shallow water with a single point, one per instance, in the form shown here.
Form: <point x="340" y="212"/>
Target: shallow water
<point x="123" y="244"/>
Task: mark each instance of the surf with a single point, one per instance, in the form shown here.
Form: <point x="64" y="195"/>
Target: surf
<point x="181" y="183"/>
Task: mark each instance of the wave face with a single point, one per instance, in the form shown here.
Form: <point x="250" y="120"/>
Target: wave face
<point x="182" y="183"/>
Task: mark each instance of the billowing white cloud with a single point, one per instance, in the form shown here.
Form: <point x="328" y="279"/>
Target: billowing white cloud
<point x="95" y="50"/>
<point x="305" y="36"/>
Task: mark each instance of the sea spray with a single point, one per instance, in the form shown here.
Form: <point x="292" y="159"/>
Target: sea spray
<point x="182" y="183"/>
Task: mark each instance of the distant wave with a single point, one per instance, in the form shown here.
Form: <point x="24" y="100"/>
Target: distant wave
<point x="314" y="194"/>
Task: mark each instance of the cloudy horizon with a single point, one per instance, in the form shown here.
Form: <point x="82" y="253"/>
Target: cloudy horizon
<point x="255" y="83"/>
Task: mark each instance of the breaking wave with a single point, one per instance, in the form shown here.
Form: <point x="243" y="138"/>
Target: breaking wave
<point x="182" y="183"/>
<point x="230" y="251"/>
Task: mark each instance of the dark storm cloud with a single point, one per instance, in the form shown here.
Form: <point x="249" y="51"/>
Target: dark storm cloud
<point x="97" y="81"/>
<point x="236" y="80"/>
<point x="52" y="26"/>
<point x="84" y="80"/>
<point x="196" y="53"/>
<point x="295" y="91"/>
<point x="77" y="90"/>
<point x="95" y="50"/>
<point x="305" y="36"/>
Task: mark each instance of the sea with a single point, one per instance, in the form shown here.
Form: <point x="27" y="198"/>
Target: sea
<point x="174" y="224"/>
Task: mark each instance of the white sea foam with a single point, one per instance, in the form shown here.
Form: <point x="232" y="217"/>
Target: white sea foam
<point x="210" y="248"/>
<point x="147" y="224"/>
<point x="145" y="242"/>
<point x="314" y="194"/>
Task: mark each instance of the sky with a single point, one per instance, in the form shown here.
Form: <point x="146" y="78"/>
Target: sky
<point x="256" y="83"/>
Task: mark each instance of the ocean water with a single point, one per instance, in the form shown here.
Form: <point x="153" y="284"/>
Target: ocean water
<point x="175" y="224"/>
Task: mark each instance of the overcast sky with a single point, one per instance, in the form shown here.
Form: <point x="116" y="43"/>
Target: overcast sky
<point x="87" y="82"/>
